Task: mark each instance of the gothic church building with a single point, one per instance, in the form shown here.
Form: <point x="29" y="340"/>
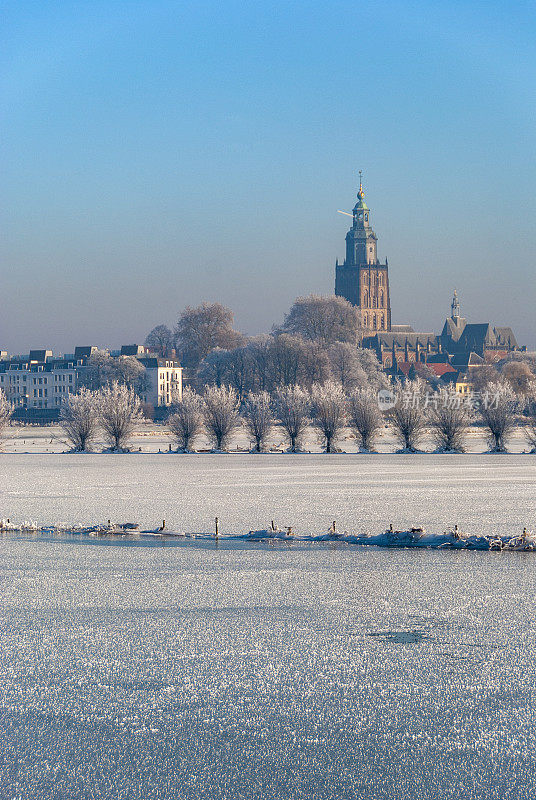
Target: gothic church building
<point x="361" y="279"/>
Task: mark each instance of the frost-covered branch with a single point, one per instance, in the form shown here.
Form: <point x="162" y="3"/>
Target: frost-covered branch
<point x="293" y="408"/>
<point x="364" y="416"/>
<point x="328" y="403"/>
<point x="498" y="410"/>
<point x="120" y="410"/>
<point x="258" y="416"/>
<point x="449" y="418"/>
<point x="408" y="416"/>
<point x="186" y="421"/>
<point x="5" y="412"/>
<point x="79" y="419"/>
<point x="221" y="414"/>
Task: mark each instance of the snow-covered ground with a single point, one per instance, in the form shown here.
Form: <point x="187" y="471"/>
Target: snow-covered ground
<point x="363" y="493"/>
<point x="200" y="670"/>
<point x="154" y="438"/>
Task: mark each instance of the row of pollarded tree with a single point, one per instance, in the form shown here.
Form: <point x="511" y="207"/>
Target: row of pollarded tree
<point x="114" y="411"/>
<point x="413" y="413"/>
<point x="111" y="412"/>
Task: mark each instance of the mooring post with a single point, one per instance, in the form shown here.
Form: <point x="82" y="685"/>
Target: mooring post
<point x="163" y="524"/>
<point x="333" y="526"/>
<point x="217" y="527"/>
<point x="390" y="527"/>
<point x="273" y="525"/>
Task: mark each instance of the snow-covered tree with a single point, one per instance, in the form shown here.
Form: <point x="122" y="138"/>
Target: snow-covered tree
<point x="161" y="340"/>
<point x="79" y="419"/>
<point x="408" y="416"/>
<point x="520" y="377"/>
<point x="287" y="360"/>
<point x="186" y="421"/>
<point x="214" y="369"/>
<point x="220" y="414"/>
<point x="372" y="368"/>
<point x="293" y="408"/>
<point x="102" y="369"/>
<point x="119" y="411"/>
<point x="345" y="365"/>
<point x="530" y="428"/>
<point x="449" y="418"/>
<point x="257" y="412"/>
<point x="202" y="329"/>
<point x="498" y="411"/>
<point x="324" y="319"/>
<point x="364" y="415"/>
<point x="5" y="412"/>
<point x="328" y="404"/>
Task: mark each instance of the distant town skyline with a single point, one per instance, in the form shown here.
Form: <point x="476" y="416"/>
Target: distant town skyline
<point x="156" y="155"/>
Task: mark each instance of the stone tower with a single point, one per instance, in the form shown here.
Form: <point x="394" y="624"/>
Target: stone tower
<point x="362" y="280"/>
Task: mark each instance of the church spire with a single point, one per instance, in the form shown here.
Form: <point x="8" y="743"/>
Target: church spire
<point x="455" y="306"/>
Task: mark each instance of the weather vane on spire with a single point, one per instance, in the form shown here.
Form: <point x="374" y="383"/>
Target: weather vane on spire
<point x="360" y="180"/>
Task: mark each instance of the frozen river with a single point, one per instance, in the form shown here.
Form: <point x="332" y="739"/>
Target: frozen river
<point x="196" y="670"/>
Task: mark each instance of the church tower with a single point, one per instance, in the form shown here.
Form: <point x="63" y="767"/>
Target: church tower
<point x="362" y="280"/>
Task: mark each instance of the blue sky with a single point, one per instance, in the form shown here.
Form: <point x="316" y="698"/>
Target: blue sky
<point x="158" y="154"/>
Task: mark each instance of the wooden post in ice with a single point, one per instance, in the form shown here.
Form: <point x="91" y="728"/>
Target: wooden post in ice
<point x="217" y="527"/>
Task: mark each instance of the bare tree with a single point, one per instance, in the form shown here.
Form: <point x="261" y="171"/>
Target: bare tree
<point x="220" y="414"/>
<point x="292" y="407"/>
<point x="102" y="369"/>
<point x="186" y="421"/>
<point x="346" y="366"/>
<point x="5" y="412"/>
<point x="240" y="371"/>
<point x="200" y="330"/>
<point x="328" y="403"/>
<point x="520" y="377"/>
<point x="160" y="339"/>
<point x="324" y="319"/>
<point x="259" y="354"/>
<point x="214" y="369"/>
<point x="364" y="415"/>
<point x="120" y="410"/>
<point x="131" y="372"/>
<point x="408" y="416"/>
<point x="80" y="420"/>
<point x="259" y="419"/>
<point x="498" y="410"/>
<point x="316" y="367"/>
<point x="287" y="360"/>
<point x="449" y="418"/>
<point x="97" y="370"/>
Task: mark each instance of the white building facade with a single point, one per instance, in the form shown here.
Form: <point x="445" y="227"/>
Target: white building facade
<point x="42" y="381"/>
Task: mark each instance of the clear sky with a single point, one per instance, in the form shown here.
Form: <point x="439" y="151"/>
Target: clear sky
<point x="157" y="154"/>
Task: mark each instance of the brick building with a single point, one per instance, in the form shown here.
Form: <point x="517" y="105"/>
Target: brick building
<point x="362" y="279"/>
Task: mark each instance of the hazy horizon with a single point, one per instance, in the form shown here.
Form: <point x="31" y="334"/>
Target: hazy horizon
<point x="156" y="155"/>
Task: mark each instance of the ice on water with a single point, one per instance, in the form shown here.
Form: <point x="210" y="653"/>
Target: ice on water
<point x="240" y="670"/>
